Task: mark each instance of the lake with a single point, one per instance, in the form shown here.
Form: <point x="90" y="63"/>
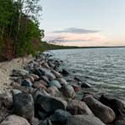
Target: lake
<point x="104" y="68"/>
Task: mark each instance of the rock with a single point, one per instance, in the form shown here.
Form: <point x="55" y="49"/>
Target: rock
<point x="34" y="121"/>
<point x="15" y="120"/>
<point x="45" y="79"/>
<point x="64" y="72"/>
<point x="55" y="83"/>
<point x="46" y="122"/>
<point x="62" y="81"/>
<point x="31" y="78"/>
<point x="36" y="77"/>
<point x="15" y="91"/>
<point x="53" y="91"/>
<point x="40" y="84"/>
<point x="102" y="111"/>
<point x="20" y="72"/>
<point x="57" y="74"/>
<point x="85" y="85"/>
<point x="23" y="105"/>
<point x="50" y="104"/>
<point x="60" y="116"/>
<point x="120" y="122"/>
<point x="50" y="75"/>
<point x="38" y="72"/>
<point x="116" y="104"/>
<point x="84" y="120"/>
<point x="68" y="91"/>
<point x="6" y="99"/>
<point x="26" y="83"/>
<point x="78" y="107"/>
<point x="76" y="87"/>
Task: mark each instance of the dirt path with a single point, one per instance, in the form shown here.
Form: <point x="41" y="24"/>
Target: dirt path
<point x="7" y="67"/>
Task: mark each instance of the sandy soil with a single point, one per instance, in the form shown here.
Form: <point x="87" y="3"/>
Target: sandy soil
<point x="7" y="67"/>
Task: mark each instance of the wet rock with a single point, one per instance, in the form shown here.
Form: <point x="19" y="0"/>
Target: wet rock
<point x="65" y="72"/>
<point x="26" y="83"/>
<point x="85" y="85"/>
<point x="15" y="120"/>
<point x="68" y="91"/>
<point x="116" y="104"/>
<point x="50" y="104"/>
<point x="78" y="107"/>
<point x="53" y="91"/>
<point x="60" y="116"/>
<point x="55" y="83"/>
<point x="23" y="105"/>
<point x="84" y="120"/>
<point x="102" y="111"/>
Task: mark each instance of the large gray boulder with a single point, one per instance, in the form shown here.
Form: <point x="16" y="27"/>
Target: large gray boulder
<point x="78" y="107"/>
<point x="60" y="116"/>
<point x="24" y="105"/>
<point x="50" y="104"/>
<point x="15" y="120"/>
<point x="103" y="112"/>
<point x="84" y="120"/>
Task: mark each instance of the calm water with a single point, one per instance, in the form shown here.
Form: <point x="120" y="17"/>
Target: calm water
<point x="102" y="67"/>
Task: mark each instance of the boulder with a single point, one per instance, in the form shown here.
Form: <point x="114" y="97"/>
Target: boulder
<point x="15" y="120"/>
<point x="103" y="112"/>
<point x="36" y="77"/>
<point x="53" y="91"/>
<point x="57" y="74"/>
<point x="20" y="72"/>
<point x="23" y="105"/>
<point x="116" y="104"/>
<point x="78" y="107"/>
<point x="68" y="91"/>
<point x="62" y="81"/>
<point x="55" y="83"/>
<point x="60" y="116"/>
<point x="65" y="72"/>
<point x="50" y="104"/>
<point x="26" y="83"/>
<point x="50" y="75"/>
<point x="85" y="85"/>
<point x="6" y="100"/>
<point x="119" y="122"/>
<point x="45" y="79"/>
<point x="84" y="120"/>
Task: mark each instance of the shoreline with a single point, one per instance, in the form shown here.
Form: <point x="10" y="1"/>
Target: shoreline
<point x="45" y="92"/>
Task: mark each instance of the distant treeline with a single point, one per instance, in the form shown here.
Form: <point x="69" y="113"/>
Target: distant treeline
<point x="19" y="28"/>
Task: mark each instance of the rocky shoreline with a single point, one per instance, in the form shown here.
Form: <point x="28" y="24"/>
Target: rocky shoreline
<point x="42" y="93"/>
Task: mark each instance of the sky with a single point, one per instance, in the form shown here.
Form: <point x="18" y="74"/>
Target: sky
<point x="84" y="22"/>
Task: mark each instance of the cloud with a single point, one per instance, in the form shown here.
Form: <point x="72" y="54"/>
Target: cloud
<point x="77" y="37"/>
<point x="76" y="30"/>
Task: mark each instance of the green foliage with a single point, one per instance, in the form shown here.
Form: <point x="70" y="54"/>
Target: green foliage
<point x="19" y="28"/>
